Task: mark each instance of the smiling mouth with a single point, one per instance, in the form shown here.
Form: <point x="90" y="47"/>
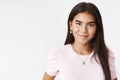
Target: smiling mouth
<point x="83" y="36"/>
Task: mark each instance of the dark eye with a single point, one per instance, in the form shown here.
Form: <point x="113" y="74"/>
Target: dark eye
<point x="78" y="24"/>
<point x="91" y="24"/>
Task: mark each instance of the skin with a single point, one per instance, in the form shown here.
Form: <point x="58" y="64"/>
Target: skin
<point x="48" y="77"/>
<point x="83" y="29"/>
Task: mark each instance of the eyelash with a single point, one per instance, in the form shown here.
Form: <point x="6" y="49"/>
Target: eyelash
<point x="78" y="23"/>
<point x="91" y="25"/>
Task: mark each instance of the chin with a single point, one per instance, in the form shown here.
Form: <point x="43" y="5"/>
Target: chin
<point x="82" y="42"/>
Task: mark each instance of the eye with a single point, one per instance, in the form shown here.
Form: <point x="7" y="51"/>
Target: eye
<point x="91" y="24"/>
<point x="78" y="24"/>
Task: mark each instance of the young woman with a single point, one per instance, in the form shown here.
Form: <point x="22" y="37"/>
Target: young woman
<point x="84" y="55"/>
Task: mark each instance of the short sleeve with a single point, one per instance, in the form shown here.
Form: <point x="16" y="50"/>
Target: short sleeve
<point x="112" y="64"/>
<point x="51" y="66"/>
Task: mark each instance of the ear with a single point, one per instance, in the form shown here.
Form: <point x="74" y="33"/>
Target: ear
<point x="70" y="25"/>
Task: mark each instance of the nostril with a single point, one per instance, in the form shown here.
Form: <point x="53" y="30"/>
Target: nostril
<point x="83" y="29"/>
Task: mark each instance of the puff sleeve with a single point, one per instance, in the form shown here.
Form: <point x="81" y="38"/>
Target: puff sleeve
<point x="112" y="64"/>
<point x="52" y="65"/>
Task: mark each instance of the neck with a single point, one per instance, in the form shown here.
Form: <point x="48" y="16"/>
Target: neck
<point x="82" y="49"/>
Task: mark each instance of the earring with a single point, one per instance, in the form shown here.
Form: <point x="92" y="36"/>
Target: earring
<point x="70" y="31"/>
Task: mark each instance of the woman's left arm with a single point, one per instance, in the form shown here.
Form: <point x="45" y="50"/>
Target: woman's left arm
<point x="112" y="65"/>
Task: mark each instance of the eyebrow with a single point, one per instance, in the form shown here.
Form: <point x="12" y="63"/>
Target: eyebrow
<point x="87" y="22"/>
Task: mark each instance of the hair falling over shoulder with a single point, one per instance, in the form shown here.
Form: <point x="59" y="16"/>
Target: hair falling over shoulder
<point x="97" y="42"/>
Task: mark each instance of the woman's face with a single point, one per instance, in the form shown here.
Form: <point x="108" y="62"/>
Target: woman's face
<point x="83" y="27"/>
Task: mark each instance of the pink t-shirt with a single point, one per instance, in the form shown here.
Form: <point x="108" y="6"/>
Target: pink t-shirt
<point x="69" y="65"/>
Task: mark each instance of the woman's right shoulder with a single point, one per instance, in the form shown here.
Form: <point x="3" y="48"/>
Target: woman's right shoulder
<point x="59" y="49"/>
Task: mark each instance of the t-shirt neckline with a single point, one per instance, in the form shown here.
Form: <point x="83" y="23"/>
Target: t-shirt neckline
<point x="71" y="49"/>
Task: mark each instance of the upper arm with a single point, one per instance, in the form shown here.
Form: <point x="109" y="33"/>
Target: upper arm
<point x="48" y="77"/>
<point x="112" y="65"/>
<point x="51" y="69"/>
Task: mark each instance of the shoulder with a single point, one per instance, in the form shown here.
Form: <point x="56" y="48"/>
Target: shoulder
<point x="60" y="49"/>
<point x="57" y="52"/>
<point x="111" y="54"/>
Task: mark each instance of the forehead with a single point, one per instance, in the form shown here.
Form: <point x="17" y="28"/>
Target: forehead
<point x="85" y="17"/>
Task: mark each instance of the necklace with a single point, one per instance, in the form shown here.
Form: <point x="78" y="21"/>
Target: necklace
<point x="84" y="60"/>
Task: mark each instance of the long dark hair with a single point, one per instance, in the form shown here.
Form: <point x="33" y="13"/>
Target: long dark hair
<point x="97" y="42"/>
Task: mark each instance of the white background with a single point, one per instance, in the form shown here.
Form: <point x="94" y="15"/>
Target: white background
<point x="30" y="28"/>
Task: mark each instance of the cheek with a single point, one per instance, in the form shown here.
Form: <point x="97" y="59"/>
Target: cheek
<point x="93" y="33"/>
<point x="75" y="29"/>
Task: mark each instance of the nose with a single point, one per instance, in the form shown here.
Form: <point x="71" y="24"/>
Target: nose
<point x="83" y="29"/>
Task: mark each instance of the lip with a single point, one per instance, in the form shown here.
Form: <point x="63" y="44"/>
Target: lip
<point x="84" y="36"/>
